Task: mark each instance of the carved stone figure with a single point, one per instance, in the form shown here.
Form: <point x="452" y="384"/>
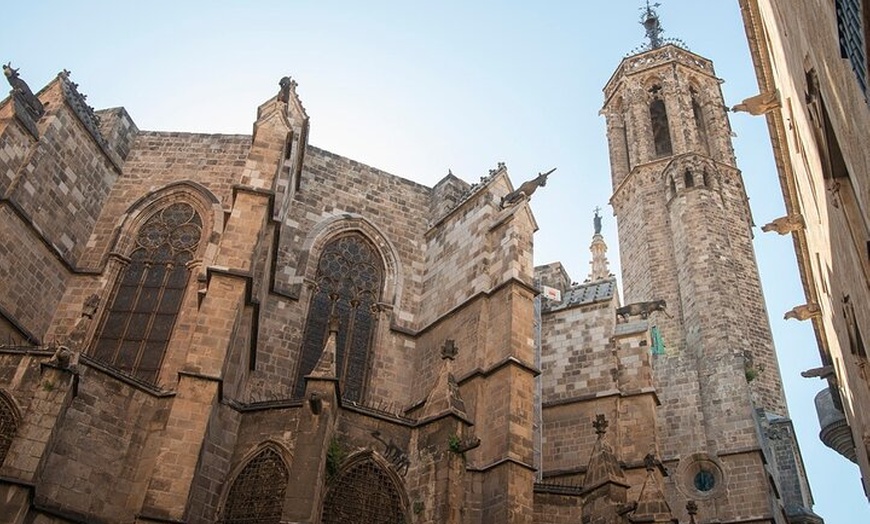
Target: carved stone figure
<point x="785" y="225"/>
<point x="526" y="189"/>
<point x="759" y="104"/>
<point x="21" y="91"/>
<point x="642" y="309"/>
<point x="803" y="312"/>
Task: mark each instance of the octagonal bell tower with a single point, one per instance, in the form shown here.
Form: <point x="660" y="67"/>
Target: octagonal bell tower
<point x="685" y="237"/>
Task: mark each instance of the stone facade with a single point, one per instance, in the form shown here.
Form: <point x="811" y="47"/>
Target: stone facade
<point x="227" y="328"/>
<point x="811" y="63"/>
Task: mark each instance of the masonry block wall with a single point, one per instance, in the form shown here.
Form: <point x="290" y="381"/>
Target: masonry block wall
<point x="685" y="233"/>
<point x="818" y="133"/>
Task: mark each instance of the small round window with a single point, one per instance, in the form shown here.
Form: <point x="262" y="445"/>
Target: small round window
<point x="705" y="480"/>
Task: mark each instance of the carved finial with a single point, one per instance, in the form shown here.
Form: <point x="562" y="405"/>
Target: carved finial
<point x="600" y="424"/>
<point x="89" y="308"/>
<point x="692" y="508"/>
<point x="287" y="85"/>
<point x="449" y="349"/>
<point x="651" y="23"/>
<point x="649" y="462"/>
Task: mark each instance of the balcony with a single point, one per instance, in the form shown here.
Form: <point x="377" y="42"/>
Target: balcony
<point x="835" y="433"/>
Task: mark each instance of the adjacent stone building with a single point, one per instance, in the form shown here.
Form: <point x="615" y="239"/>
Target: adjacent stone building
<point x="811" y="63"/>
<point x="222" y="328"/>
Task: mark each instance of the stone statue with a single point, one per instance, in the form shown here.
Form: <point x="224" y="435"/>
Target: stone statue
<point x="596" y="221"/>
<point x="525" y="190"/>
<point x="21" y="91"/>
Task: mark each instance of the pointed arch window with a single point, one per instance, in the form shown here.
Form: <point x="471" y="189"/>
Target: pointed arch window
<point x="661" y="129"/>
<point x="700" y="123"/>
<point x="350" y="276"/>
<point x="8" y="425"/>
<point x="364" y="492"/>
<point x="135" y="331"/>
<point x="689" y="179"/>
<point x="257" y="493"/>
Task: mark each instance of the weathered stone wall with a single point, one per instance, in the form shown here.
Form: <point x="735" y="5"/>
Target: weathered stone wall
<point x="557" y="509"/>
<point x="576" y="358"/>
<point x="81" y="440"/>
<point x="831" y="244"/>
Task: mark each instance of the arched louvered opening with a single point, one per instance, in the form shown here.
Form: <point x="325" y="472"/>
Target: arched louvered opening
<point x="257" y="493"/>
<point x="689" y="179"/>
<point x="350" y="276"/>
<point x="364" y="491"/>
<point x="136" y="330"/>
<point x="661" y="130"/>
<point x="700" y="121"/>
<point x="8" y="425"/>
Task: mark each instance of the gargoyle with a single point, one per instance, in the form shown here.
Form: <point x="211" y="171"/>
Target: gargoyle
<point x="803" y="312"/>
<point x="759" y="104"/>
<point x="642" y="309"/>
<point x="525" y="190"/>
<point x="785" y="225"/>
<point x="21" y="91"/>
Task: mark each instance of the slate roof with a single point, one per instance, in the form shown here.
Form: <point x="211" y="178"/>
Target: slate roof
<point x="583" y="294"/>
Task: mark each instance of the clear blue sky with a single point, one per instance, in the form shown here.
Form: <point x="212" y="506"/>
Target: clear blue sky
<point x="417" y="89"/>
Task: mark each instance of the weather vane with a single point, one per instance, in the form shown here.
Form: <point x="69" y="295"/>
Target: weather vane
<point x="652" y="24"/>
<point x="650" y="21"/>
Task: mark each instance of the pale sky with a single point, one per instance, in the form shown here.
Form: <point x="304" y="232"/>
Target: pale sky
<point x="418" y="88"/>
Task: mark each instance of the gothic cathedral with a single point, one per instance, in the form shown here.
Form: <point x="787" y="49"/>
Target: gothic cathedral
<point x="248" y="329"/>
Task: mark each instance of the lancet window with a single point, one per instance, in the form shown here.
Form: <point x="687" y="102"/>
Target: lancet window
<point x="135" y="332"/>
<point x="349" y="279"/>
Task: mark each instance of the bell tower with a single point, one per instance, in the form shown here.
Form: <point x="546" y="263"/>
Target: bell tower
<point x="685" y="236"/>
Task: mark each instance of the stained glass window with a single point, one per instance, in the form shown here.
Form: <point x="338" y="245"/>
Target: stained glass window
<point x="363" y="492"/>
<point x="136" y="330"/>
<point x="8" y="426"/>
<point x="257" y="493"/>
<point x="349" y="281"/>
<point x="660" y="127"/>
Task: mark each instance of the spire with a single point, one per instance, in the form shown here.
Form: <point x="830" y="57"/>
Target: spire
<point x="600" y="269"/>
<point x="603" y="465"/>
<point x="444" y="397"/>
<point x="652" y="505"/>
<point x="325" y="367"/>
